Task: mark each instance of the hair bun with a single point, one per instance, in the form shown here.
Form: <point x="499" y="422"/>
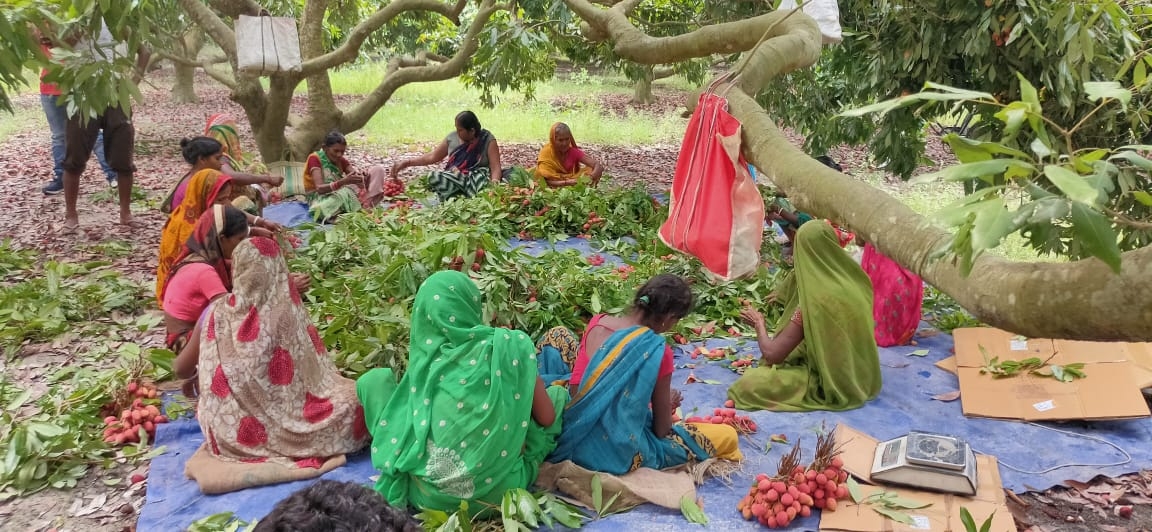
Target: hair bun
<point x="184" y="142"/>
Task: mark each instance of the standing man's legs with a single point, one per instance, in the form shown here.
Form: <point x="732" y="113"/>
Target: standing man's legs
<point x="57" y="117"/>
<point x="79" y="140"/>
<point x="109" y="173"/>
<point x="120" y="144"/>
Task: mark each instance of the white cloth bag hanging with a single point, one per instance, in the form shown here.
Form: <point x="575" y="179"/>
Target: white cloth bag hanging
<point x="826" y="13"/>
<point x="266" y="44"/>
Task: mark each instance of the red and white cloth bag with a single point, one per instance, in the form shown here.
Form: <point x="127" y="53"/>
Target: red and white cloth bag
<point x="715" y="212"/>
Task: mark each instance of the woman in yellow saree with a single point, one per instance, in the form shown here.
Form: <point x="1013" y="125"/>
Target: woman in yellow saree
<point x="562" y="163"/>
<point x="205" y="188"/>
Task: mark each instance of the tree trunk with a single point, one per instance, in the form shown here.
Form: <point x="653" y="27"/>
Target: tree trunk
<point x="184" y="89"/>
<point x="1080" y="300"/>
<point x="642" y="91"/>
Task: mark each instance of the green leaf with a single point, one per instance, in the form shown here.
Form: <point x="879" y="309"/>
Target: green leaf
<point x="993" y="222"/>
<point x="987" y="526"/>
<point x="899" y="517"/>
<point x="1028" y="93"/>
<point x="1099" y="90"/>
<point x="1039" y="148"/>
<point x="1071" y="184"/>
<point x="597" y="494"/>
<point x="909" y="504"/>
<point x="966" y="518"/>
<point x="918" y="353"/>
<point x="1133" y="158"/>
<point x="1143" y="197"/>
<point x="1095" y="234"/>
<point x="968" y="150"/>
<point x="967" y="171"/>
<point x="854" y="490"/>
<point x="1013" y="116"/>
<point x="692" y="511"/>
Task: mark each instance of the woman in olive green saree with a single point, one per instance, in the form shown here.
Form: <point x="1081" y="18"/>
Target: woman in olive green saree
<point x="823" y="355"/>
<point x="470" y="419"/>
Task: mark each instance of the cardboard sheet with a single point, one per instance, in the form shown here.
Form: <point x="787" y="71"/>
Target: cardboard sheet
<point x="1111" y="389"/>
<point x="942" y="514"/>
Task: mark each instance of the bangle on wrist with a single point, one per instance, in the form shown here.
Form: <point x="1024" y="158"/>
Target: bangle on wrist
<point x="335" y="186"/>
<point x="256" y="221"/>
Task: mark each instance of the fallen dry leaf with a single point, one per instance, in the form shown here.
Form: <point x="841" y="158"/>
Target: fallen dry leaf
<point x="1077" y="484"/>
<point x="947" y="396"/>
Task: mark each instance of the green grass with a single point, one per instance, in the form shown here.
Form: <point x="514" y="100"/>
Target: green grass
<point x="26" y="112"/>
<point x="421" y="114"/>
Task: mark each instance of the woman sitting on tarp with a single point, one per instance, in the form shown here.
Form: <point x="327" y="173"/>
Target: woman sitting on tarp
<point x="897" y="297"/>
<point x="331" y="182"/>
<point x="206" y="187"/>
<point x="823" y="355"/>
<point x="620" y="416"/>
<point x="203" y="272"/>
<point x="470" y="419"/>
<point x="273" y="407"/>
<point x="562" y="163"/>
<point x="473" y="160"/>
<point x="209" y="153"/>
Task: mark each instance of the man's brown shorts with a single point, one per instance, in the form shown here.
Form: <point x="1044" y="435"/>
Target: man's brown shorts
<point x="119" y="141"/>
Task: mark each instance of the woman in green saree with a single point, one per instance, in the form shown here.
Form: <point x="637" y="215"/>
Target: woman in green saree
<point x="824" y="354"/>
<point x="332" y="183"/>
<point x="470" y="419"/>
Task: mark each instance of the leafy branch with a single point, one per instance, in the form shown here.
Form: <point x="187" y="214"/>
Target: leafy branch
<point x="1033" y="365"/>
<point x="519" y="510"/>
<point x="889" y="505"/>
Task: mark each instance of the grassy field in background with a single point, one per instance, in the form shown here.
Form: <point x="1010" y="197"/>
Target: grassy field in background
<point x="421" y="114"/>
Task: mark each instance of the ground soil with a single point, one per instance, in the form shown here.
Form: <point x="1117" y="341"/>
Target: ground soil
<point x="106" y="500"/>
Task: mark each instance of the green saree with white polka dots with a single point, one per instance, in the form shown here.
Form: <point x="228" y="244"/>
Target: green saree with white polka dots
<point x="458" y="425"/>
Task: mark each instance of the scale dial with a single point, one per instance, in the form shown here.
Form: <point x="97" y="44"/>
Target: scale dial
<point x="936" y="449"/>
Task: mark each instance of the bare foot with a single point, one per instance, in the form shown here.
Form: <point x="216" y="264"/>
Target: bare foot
<point x="127" y="222"/>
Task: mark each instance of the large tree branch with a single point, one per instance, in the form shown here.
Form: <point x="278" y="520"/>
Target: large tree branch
<point x="203" y="16"/>
<point x="1078" y="300"/>
<point x="224" y="78"/>
<point x="633" y="44"/>
<point x="235" y="8"/>
<point x="399" y="76"/>
<point x="1030" y="298"/>
<point x="351" y="47"/>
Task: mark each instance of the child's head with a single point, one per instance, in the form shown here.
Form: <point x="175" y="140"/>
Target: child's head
<point x="331" y="506"/>
<point x="663" y="301"/>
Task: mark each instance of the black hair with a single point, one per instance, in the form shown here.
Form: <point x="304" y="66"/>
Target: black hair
<point x="235" y="222"/>
<point x="830" y="163"/>
<point x="331" y="506"/>
<point x="196" y="148"/>
<point x="468" y="121"/>
<point x="333" y="138"/>
<point x="664" y="295"/>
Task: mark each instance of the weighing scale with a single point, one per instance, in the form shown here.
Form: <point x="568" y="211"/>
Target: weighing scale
<point x="936" y="462"/>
